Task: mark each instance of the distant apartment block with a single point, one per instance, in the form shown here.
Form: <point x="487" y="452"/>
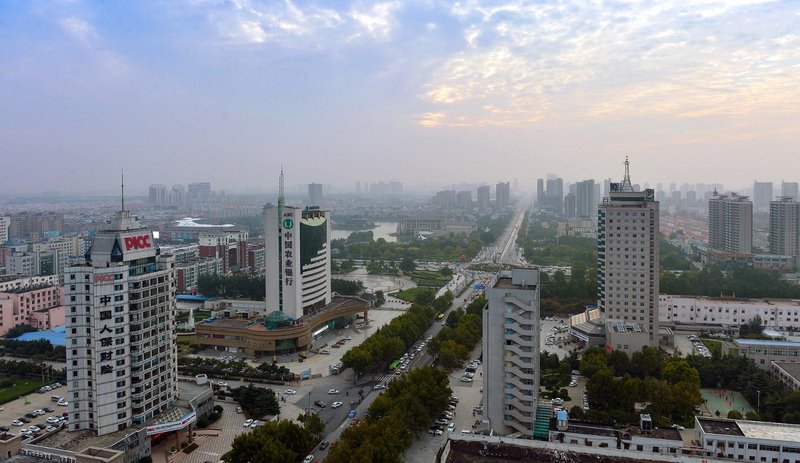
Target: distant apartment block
<point x="158" y="194"/>
<point x="730" y="223"/>
<point x="502" y="195"/>
<point x="484" y="195"/>
<point x="784" y="226"/>
<point x="790" y="189"/>
<point x="5" y="224"/>
<point x="199" y="191"/>
<point x="764" y="352"/>
<point x="315" y="194"/>
<point x="762" y="195"/>
<point x="786" y="373"/>
<point x="36" y="226"/>
<point x="188" y="273"/>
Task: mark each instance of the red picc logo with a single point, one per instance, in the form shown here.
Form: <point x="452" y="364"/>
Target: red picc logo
<point x="137" y="242"/>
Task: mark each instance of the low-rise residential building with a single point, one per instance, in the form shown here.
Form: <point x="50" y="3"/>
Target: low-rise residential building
<point x="15" y="281"/>
<point x="38" y="305"/>
<point x="749" y="440"/>
<point x="187" y="273"/>
<point x="778" y="314"/>
<point x="786" y="373"/>
<point x="764" y="352"/>
<point x="625" y="336"/>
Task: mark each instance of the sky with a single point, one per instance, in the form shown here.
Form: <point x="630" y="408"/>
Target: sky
<point x="176" y="91"/>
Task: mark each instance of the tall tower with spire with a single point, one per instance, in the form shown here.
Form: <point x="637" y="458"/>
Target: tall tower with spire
<point x="627" y="265"/>
<point x="298" y="263"/>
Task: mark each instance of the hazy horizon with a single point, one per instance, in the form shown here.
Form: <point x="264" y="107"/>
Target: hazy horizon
<point x="422" y="92"/>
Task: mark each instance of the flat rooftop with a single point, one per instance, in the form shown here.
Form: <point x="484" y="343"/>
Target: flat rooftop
<point x="769" y="431"/>
<point x="764" y="343"/>
<point x="625" y="327"/>
<point x="792" y="368"/>
<point x="758" y="302"/>
<point x="724" y="427"/>
<point x="506" y="283"/>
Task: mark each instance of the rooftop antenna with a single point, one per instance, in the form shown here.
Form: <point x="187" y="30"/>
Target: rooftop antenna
<point x="122" y="171"/>
<point x="626" y="182"/>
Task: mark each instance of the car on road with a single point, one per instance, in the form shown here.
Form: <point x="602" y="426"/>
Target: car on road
<point x="324" y="445"/>
<point x="290" y="392"/>
<point x="238" y="409"/>
<point x="451" y="427"/>
<point x="333" y="391"/>
<point x="325" y="351"/>
<point x="466" y="379"/>
<point x="17" y="423"/>
<point x="351" y="414"/>
<point x="308" y="459"/>
<point x="477" y="409"/>
<point x="336" y="405"/>
<point x="247" y="423"/>
<point x="319" y="403"/>
<point x="378" y="387"/>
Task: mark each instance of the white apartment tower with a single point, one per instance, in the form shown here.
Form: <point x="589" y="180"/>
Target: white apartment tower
<point x="5" y="224"/>
<point x="627" y="256"/>
<point x="511" y="352"/>
<point x="784" y="227"/>
<point x="730" y="223"/>
<point x="120" y="325"/>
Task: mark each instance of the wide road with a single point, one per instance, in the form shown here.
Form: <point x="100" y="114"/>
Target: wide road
<point x="505" y="250"/>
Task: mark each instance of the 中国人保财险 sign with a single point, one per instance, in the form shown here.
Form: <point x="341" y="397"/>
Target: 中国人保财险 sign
<point x="137" y="242"/>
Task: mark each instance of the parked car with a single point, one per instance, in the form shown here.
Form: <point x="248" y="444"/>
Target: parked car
<point x="378" y="387"/>
<point x="308" y="459"/>
<point x="62" y="403"/>
<point x="247" y="423"/>
<point x="24" y="420"/>
<point x="290" y="392"/>
<point x="319" y="403"/>
<point x="39" y="412"/>
<point x="17" y="423"/>
<point x="48" y="409"/>
<point x="333" y="391"/>
<point x="49" y="429"/>
<point x="336" y="405"/>
<point x="53" y="420"/>
<point x="238" y="409"/>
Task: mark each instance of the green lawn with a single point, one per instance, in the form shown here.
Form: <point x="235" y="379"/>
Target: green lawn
<point x="410" y="294"/>
<point x="714" y="345"/>
<point x="22" y="386"/>
<point x="428" y="278"/>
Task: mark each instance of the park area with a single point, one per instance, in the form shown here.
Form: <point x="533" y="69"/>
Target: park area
<point x="428" y="278"/>
<point x="720" y="401"/>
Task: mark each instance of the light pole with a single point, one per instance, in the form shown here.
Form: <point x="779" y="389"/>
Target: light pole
<point x="759" y="401"/>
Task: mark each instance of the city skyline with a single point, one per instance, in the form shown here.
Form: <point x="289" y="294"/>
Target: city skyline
<point x="418" y="90"/>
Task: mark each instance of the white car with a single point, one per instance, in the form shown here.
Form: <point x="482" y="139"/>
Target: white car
<point x="17" y="423"/>
<point x="254" y="424"/>
<point x="248" y="423"/>
<point x="451" y="427"/>
<point x="39" y="412"/>
<point x="308" y="459"/>
<point x="222" y="384"/>
<point x="24" y="430"/>
<point x="49" y="429"/>
<point x="466" y="379"/>
<point x="336" y="405"/>
<point x="378" y="387"/>
<point x="333" y="391"/>
<point x="53" y="420"/>
<point x="290" y="392"/>
<point x="63" y="403"/>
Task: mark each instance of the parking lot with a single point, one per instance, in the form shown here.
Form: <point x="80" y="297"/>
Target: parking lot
<point x="18" y="408"/>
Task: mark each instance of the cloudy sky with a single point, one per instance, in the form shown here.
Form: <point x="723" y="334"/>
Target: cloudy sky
<point x="419" y="91"/>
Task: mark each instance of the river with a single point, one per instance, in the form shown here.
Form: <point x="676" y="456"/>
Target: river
<point x="382" y="230"/>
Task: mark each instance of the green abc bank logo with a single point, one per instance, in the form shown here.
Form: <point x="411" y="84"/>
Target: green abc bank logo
<point x="288" y="224"/>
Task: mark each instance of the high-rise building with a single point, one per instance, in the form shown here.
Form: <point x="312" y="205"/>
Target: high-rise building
<point x="762" y="195"/>
<point x="784" y="227"/>
<point x="627" y="256"/>
<point x="120" y="324"/>
<point x="36" y="225"/>
<point x="540" y="198"/>
<point x="158" y="194"/>
<point x="298" y="266"/>
<point x="584" y="197"/>
<point x="502" y="195"/>
<point x="314" y="194"/>
<point x="5" y="224"/>
<point x="358" y="187"/>
<point x="790" y="189"/>
<point x="570" y="206"/>
<point x="177" y="196"/>
<point x="484" y="195"/>
<point x="199" y="191"/>
<point x="730" y="223"/>
<point x="445" y="199"/>
<point x="555" y="195"/>
<point x="464" y="200"/>
<point x="511" y="352"/>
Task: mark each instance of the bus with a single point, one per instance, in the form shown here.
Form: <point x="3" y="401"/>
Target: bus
<point x="393" y="366"/>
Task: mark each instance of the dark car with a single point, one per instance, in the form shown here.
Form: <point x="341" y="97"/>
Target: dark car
<point x="324" y="445"/>
<point x="4" y="428"/>
<point x="319" y="403"/>
<point x="24" y="420"/>
<point x="48" y="409"/>
<point x="41" y="426"/>
<point x="30" y="415"/>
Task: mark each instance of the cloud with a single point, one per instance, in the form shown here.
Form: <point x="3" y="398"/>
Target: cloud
<point x="79" y="30"/>
<point x="376" y="20"/>
<point x="524" y="63"/>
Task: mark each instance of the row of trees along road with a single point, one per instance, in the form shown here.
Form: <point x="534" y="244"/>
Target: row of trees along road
<point x="404" y="410"/>
<point x="463" y="330"/>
